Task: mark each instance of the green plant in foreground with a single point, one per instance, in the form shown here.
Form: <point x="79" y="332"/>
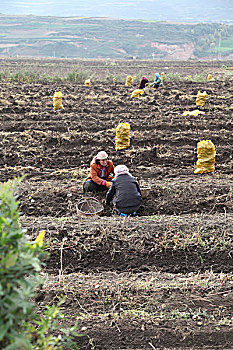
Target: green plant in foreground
<point x="46" y="332"/>
<point x="19" y="270"/>
<point x="20" y="266"/>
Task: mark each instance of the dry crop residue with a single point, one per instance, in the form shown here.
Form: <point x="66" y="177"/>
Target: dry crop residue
<point x="159" y="280"/>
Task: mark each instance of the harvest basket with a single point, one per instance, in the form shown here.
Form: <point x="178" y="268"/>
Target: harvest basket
<point x="89" y="206"/>
<point x="145" y="190"/>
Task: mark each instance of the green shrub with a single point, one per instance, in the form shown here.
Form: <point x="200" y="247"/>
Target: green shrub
<point x="117" y="78"/>
<point x="20" y="266"/>
<point x="46" y="332"/>
<point x="56" y="79"/>
<point x="2" y="76"/>
<point x="199" y="78"/>
<point x="78" y="77"/>
<point x="172" y="77"/>
<point x="19" y="270"/>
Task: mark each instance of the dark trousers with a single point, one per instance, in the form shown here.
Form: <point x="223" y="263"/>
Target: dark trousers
<point x="143" y="84"/>
<point x="91" y="186"/>
<point x="129" y="210"/>
<point x="156" y="85"/>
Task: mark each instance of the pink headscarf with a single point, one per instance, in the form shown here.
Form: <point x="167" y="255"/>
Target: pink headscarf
<point x="121" y="169"/>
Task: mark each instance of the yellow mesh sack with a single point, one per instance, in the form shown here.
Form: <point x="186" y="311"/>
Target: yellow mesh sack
<point x="209" y="77"/>
<point x="122" y="136"/>
<point x="201" y="97"/>
<point x="129" y="80"/>
<point x="87" y="82"/>
<point x="137" y="93"/>
<point x="195" y="113"/>
<point x="206" y="157"/>
<point x="57" y="100"/>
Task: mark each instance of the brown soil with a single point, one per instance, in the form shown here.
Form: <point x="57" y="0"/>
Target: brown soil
<point x="161" y="280"/>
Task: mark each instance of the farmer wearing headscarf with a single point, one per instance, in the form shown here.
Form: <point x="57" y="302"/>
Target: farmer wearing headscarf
<point x="125" y="190"/>
<point x="143" y="83"/>
<point x="99" y="178"/>
<point x="158" y="81"/>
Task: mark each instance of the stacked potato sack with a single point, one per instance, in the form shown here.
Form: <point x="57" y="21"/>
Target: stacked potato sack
<point x="128" y="81"/>
<point x="201" y="97"/>
<point x="122" y="139"/>
<point x="206" y="157"/>
<point x="57" y="100"/>
<point x="87" y="82"/>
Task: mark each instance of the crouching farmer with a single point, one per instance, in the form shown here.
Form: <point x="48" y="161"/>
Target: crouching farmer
<point x="125" y="190"/>
<point x="158" y="81"/>
<point x="100" y="177"/>
<point x="143" y="83"/>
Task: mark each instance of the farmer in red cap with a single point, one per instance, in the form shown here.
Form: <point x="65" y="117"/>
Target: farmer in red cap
<point x="125" y="190"/>
<point x="99" y="178"/>
<point x="143" y="83"/>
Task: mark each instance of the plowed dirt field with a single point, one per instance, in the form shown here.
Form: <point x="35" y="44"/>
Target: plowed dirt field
<point x="161" y="280"/>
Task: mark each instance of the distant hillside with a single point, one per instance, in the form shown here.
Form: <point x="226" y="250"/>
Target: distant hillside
<point x="219" y="11"/>
<point x="74" y="37"/>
